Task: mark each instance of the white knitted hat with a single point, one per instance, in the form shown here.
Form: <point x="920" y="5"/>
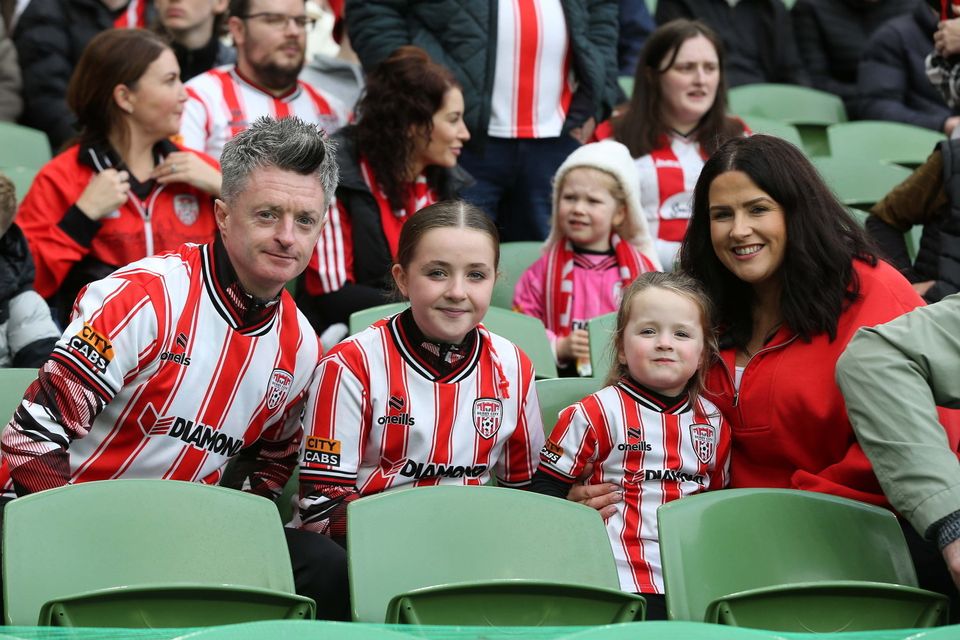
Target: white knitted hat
<point x="611" y="157"/>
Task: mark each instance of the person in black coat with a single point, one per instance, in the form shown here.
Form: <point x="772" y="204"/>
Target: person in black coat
<point x="831" y="35"/>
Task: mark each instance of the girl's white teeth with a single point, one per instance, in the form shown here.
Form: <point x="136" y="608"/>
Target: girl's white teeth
<point x="745" y="251"/>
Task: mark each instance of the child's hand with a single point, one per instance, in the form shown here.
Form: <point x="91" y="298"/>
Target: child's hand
<point x="602" y="497"/>
<point x="574" y="346"/>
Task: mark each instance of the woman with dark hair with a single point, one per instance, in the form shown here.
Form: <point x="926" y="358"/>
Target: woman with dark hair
<point x="677" y="117"/>
<point x="123" y="191"/>
<point x="399" y="157"/>
<point x="793" y="277"/>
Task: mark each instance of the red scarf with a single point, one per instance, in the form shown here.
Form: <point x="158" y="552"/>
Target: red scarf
<point x="558" y="287"/>
<point x="418" y="195"/>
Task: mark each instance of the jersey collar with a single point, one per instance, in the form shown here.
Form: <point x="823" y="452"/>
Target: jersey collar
<point x="431" y="359"/>
<point x="653" y="400"/>
<point x="242" y="311"/>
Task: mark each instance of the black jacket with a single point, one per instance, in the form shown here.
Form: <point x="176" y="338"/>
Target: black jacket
<point x="831" y="35"/>
<point x="50" y="36"/>
<point x="756" y="34"/>
<point x="461" y="35"/>
<point x="892" y="78"/>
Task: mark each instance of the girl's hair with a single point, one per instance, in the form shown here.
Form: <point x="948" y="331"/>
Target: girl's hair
<point x="111" y="58"/>
<point x="455" y="214"/>
<point x="641" y="127"/>
<point x="682" y="285"/>
<point x="396" y="110"/>
<point x="817" y="276"/>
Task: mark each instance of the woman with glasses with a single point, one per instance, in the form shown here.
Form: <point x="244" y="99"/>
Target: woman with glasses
<point x="399" y="157"/>
<point x="123" y="191"/>
<point x="271" y="38"/>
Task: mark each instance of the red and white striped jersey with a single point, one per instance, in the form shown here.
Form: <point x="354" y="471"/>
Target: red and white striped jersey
<point x="379" y="417"/>
<point x="166" y="370"/>
<point x="134" y="16"/>
<point x="222" y="103"/>
<point x="533" y="80"/>
<point x="656" y="453"/>
<point x="667" y="178"/>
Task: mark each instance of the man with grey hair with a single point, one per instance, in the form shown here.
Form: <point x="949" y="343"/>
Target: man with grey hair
<point x="175" y="363"/>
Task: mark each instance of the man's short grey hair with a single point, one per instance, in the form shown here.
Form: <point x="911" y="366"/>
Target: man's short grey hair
<point x="289" y="144"/>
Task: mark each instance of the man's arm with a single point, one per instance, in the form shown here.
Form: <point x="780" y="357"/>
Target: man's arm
<point x="892" y="377"/>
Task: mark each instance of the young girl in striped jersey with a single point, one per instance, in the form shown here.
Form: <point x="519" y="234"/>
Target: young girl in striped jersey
<point x="598" y="244"/>
<point x="428" y="396"/>
<point x="649" y="431"/>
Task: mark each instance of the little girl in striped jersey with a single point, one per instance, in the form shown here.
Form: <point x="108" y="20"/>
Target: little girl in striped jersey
<point x="649" y="431"/>
<point x="598" y="244"/>
<point x="428" y="396"/>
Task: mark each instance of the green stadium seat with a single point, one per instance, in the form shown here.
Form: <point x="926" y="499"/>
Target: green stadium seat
<point x="461" y="543"/>
<point x="789" y="560"/>
<point x="146" y="553"/>
<point x="556" y="394"/>
<point x="672" y="630"/>
<point x="770" y="127"/>
<point x="894" y="142"/>
<point x="297" y="630"/>
<point x="859" y="182"/>
<point x="360" y="320"/>
<point x="601" y="330"/>
<point x="22" y="178"/>
<point x="23" y="147"/>
<point x="515" y="258"/>
<point x="626" y="84"/>
<point x="13" y="384"/>
<point x="811" y="111"/>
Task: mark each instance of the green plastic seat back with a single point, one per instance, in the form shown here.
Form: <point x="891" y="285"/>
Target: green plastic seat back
<point x="771" y="127"/>
<point x="136" y="532"/>
<point x="721" y="542"/>
<point x="672" y="630"/>
<point x="626" y="84"/>
<point x="22" y="178"/>
<point x="23" y="147"/>
<point x="787" y="103"/>
<point x="295" y="630"/>
<point x="859" y="182"/>
<point x="428" y="536"/>
<point x="526" y="332"/>
<point x="13" y="384"/>
<point x="601" y="331"/>
<point x="895" y="142"/>
<point x="556" y="394"/>
<point x="515" y="258"/>
<point x="360" y="320"/>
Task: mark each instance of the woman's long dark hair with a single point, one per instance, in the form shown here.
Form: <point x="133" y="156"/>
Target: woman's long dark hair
<point x="396" y="109"/>
<point x="823" y="240"/>
<point x="642" y="126"/>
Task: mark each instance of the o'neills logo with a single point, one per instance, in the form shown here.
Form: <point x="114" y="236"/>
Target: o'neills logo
<point x="420" y="470"/>
<point x="197" y="435"/>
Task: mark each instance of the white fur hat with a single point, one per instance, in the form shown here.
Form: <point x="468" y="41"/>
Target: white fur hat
<point x="611" y="157"/>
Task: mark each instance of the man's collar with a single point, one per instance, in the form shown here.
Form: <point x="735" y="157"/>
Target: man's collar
<point x="242" y="311"/>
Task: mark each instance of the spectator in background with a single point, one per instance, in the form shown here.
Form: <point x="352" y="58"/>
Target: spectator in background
<point x="399" y="157"/>
<point x="831" y="34"/>
<point x="636" y="25"/>
<point x="892" y="78"/>
<point x="271" y="40"/>
<point x="757" y="35"/>
<point x="340" y="75"/>
<point x="537" y="76"/>
<point x="123" y="191"/>
<point x="27" y="332"/>
<point x="929" y="197"/>
<point x="676" y="119"/>
<point x="194" y="28"/>
<point x="942" y="65"/>
<point x="50" y="36"/>
<point x="10" y="84"/>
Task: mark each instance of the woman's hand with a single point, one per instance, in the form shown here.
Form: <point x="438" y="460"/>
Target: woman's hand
<point x="602" y="497"/>
<point x="946" y="40"/>
<point x="183" y="166"/>
<point x="105" y="193"/>
<point x="574" y="346"/>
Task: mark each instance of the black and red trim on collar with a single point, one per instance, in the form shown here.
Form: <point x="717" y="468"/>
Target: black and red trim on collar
<point x="438" y="362"/>
<point x="242" y="311"/>
<point x="653" y="400"/>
